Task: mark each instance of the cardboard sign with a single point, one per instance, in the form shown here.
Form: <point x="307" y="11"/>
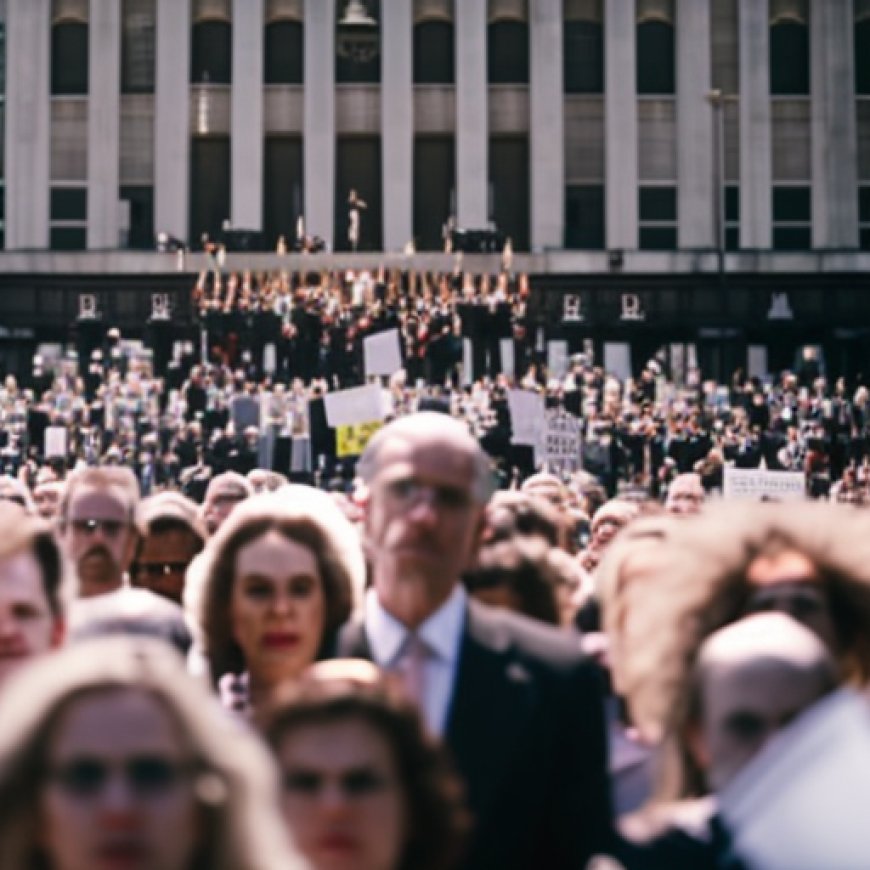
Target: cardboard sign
<point x="527" y="416"/>
<point x="357" y="405"/>
<point x="801" y="804"/>
<point x="382" y="353"/>
<point x="351" y="440"/>
<point x="758" y="484"/>
<point x="55" y="441"/>
<point x="560" y="449"/>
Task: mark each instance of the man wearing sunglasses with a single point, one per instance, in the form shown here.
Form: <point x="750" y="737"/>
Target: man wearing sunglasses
<point x="172" y="534"/>
<point x="97" y="528"/>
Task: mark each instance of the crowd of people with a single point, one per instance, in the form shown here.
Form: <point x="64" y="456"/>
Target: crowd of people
<point x="445" y="652"/>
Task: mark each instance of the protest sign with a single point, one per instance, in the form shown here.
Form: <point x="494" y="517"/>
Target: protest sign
<point x="382" y="354"/>
<point x="351" y="440"/>
<point x="560" y="448"/>
<point x="527" y="416"/>
<point x="357" y="405"/>
<point x="55" y="441"/>
<point x="801" y="803"/>
<point x="758" y="484"/>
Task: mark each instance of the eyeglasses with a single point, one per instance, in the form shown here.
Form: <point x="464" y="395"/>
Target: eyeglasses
<point x="159" y="569"/>
<point x="147" y="776"/>
<point x="110" y="528"/>
<point x="409" y="493"/>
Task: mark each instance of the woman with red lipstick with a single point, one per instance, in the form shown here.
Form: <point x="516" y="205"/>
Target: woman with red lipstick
<point x="113" y="758"/>
<point x="273" y="586"/>
<point x="364" y="787"/>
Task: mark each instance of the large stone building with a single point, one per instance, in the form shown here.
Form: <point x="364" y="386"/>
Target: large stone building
<point x="675" y="166"/>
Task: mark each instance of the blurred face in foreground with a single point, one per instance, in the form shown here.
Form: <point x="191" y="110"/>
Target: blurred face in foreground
<point x="119" y="787"/>
<point x="757" y="675"/>
<point x="342" y="796"/>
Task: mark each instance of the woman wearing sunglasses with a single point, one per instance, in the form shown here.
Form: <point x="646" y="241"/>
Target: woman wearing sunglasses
<point x="364" y="787"/>
<point x="111" y="756"/>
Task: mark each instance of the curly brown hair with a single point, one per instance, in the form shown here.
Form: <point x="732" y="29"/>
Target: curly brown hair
<point x="438" y="822"/>
<point x="705" y="587"/>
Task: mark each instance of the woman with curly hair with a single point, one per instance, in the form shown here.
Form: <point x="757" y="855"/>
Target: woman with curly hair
<point x="111" y="756"/>
<point x="270" y="590"/>
<point x="808" y="560"/>
<point x="364" y="786"/>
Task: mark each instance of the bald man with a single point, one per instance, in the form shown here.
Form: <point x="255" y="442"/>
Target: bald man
<point x="516" y="702"/>
<point x="752" y="678"/>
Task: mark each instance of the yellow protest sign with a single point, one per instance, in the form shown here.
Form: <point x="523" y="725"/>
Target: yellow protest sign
<point x="351" y="440"/>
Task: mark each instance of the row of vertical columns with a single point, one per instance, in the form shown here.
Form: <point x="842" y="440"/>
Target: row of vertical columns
<point x="28" y="123"/>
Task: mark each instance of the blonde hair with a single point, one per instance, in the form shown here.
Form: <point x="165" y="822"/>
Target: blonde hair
<point x="236" y="786"/>
<point x="705" y="588"/>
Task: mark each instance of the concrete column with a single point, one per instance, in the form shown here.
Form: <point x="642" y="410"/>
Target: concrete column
<point x="246" y="173"/>
<point x="104" y="112"/>
<point x="27" y="145"/>
<point x="397" y="121"/>
<point x="472" y="121"/>
<point x="834" y="135"/>
<point x="319" y="114"/>
<point x="756" y="159"/>
<point x="620" y="124"/>
<point x="547" y="126"/>
<point x="172" y="119"/>
<point x="695" y="142"/>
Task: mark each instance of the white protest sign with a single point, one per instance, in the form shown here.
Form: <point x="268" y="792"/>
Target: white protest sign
<point x="358" y="405"/>
<point x="55" y="441"/>
<point x="382" y="353"/>
<point x="758" y="484"/>
<point x="560" y="447"/>
<point x="801" y="803"/>
<point x="557" y="358"/>
<point x="527" y="416"/>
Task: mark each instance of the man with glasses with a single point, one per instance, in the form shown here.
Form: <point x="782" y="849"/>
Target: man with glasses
<point x="515" y="700"/>
<point x="172" y="534"/>
<point x="97" y="526"/>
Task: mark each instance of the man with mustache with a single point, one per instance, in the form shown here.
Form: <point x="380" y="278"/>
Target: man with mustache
<point x="97" y="528"/>
<point x="516" y="702"/>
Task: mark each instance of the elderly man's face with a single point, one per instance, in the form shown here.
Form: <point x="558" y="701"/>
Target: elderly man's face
<point x="422" y="522"/>
<point x="685" y="496"/>
<point x="99" y="538"/>
<point x="218" y="505"/>
<point x="746" y="704"/>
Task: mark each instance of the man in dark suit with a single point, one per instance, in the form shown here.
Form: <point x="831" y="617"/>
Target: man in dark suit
<point x="515" y="701"/>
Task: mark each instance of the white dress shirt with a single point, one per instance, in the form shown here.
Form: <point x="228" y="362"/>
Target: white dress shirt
<point x="441" y="633"/>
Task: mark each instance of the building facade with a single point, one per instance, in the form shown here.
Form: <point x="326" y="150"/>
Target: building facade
<point x="566" y="124"/>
